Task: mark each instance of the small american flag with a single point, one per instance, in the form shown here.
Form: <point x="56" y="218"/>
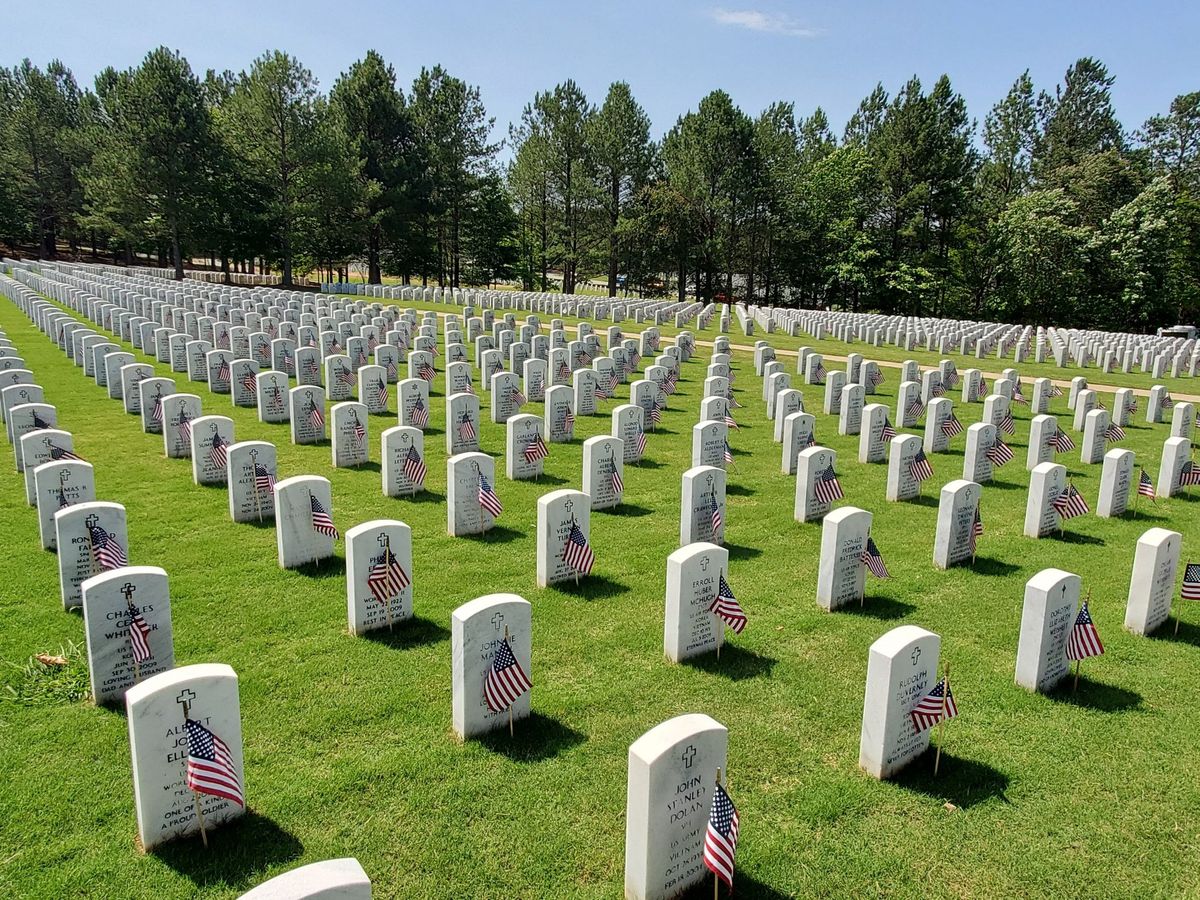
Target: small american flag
<point x="468" y="386"/>
<point x="382" y="395"/>
<point x="1056" y="391"/>
<point x="999" y="453"/>
<point x="249" y="384"/>
<point x="222" y="373"/>
<point x="139" y="635"/>
<point x="873" y="560"/>
<point x="466" y="428"/>
<point x="392" y="371"/>
<point x="655" y="413"/>
<point x="935" y="706"/>
<point x="564" y="372"/>
<point x="819" y="372"/>
<point x="185" y="426"/>
<point x="387" y="579"/>
<point x="1060" y="441"/>
<point x="106" y="550"/>
<point x="1070" y="503"/>
<point x="506" y="681"/>
<point x="420" y="413"/>
<point x="827" y="487"/>
<point x="1114" y="432"/>
<point x="715" y="517"/>
<point x="372" y="343"/>
<point x="1133" y="403"/>
<point x="730" y="422"/>
<point x="618" y="483"/>
<point x="57" y="453"/>
<point x="727" y="608"/>
<point x="414" y="466"/>
<point x="517" y="397"/>
<point x="583" y="358"/>
<point x="568" y="421"/>
<point x="1006" y="424"/>
<point x="915" y="410"/>
<point x="720" y="840"/>
<point x="576" y="552"/>
<point x="635" y="359"/>
<point x="315" y="416"/>
<point x="536" y="449"/>
<point x="345" y="376"/>
<point x="888" y="432"/>
<point x="1018" y="395"/>
<point x="1146" y="486"/>
<point x="218" y="454"/>
<point x="1189" y="474"/>
<point x="975" y="533"/>
<point x="920" y="468"/>
<point x="951" y="427"/>
<point x="952" y="378"/>
<point x="641" y="443"/>
<point x="39" y="422"/>
<point x="264" y="478"/>
<point x="322" y="523"/>
<point x="728" y="453"/>
<point x="1167" y="402"/>
<point x="210" y="766"/>
<point x="264" y="352"/>
<point x="1084" y="640"/>
<point x="488" y="499"/>
<point x="336" y="346"/>
<point x="936" y="390"/>
<point x="732" y="400"/>
<point x="983" y="388"/>
<point x="875" y="378"/>
<point x="1191" y="582"/>
<point x="360" y="431"/>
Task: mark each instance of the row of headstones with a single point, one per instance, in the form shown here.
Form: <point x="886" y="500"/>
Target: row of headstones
<point x="1154" y="354"/>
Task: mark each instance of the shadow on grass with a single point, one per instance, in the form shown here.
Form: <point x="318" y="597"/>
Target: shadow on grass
<point x="646" y="463"/>
<point x="547" y="478"/>
<point x="268" y="521"/>
<point x="961" y="781"/>
<point x="1186" y="497"/>
<point x="422" y="496"/>
<point x="747" y="887"/>
<point x="738" y="490"/>
<point x="990" y="566"/>
<point x="238" y="853"/>
<point x="1143" y="515"/>
<point x="534" y="739"/>
<point x="737" y="551"/>
<point x="368" y="466"/>
<point x="1188" y="633"/>
<point x="1074" y="537"/>
<point x="884" y="608"/>
<point x="414" y="632"/>
<point x="923" y="500"/>
<point x="1005" y="485"/>
<point x="626" y="510"/>
<point x="497" y="534"/>
<point x="329" y="567"/>
<point x="1096" y="695"/>
<point x="735" y="663"/>
<point x="592" y="587"/>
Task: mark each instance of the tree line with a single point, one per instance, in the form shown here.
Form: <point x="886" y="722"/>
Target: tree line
<point x="1049" y="210"/>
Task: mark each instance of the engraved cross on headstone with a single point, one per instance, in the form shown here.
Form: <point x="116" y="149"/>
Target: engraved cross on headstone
<point x="688" y="756"/>
<point x="916" y="655"/>
<point x="704" y="563"/>
<point x="127" y="590"/>
<point x="498" y="620"/>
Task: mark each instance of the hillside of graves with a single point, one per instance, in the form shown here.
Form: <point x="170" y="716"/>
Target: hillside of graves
<point x="455" y="459"/>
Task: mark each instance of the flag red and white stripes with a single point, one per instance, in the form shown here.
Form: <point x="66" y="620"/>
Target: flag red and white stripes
<point x="387" y="579"/>
<point x="935" y="706"/>
<point x="210" y="767"/>
<point x="726" y="607"/>
<point x="506" y="681"/>
<point x="1084" y="640"/>
<point x="576" y="552"/>
<point x="720" y="840"/>
<point x="414" y="466"/>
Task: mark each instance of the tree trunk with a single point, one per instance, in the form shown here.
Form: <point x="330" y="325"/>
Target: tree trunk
<point x="176" y="252"/>
<point x="614" y="217"/>
<point x="374" y="275"/>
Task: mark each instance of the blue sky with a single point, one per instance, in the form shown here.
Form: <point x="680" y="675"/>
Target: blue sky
<point x="671" y="52"/>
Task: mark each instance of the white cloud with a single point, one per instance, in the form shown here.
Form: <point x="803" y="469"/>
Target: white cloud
<point x="758" y="20"/>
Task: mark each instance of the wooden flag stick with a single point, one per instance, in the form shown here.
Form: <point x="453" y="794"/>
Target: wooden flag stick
<point x="937" y="759"/>
<point x="195" y="794"/>
<point x="510" y="706"/>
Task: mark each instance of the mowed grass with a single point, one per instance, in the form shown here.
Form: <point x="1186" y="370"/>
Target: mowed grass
<point x="348" y="745"/>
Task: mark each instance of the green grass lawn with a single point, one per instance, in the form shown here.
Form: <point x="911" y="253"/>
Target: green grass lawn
<point x="348" y="745"/>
